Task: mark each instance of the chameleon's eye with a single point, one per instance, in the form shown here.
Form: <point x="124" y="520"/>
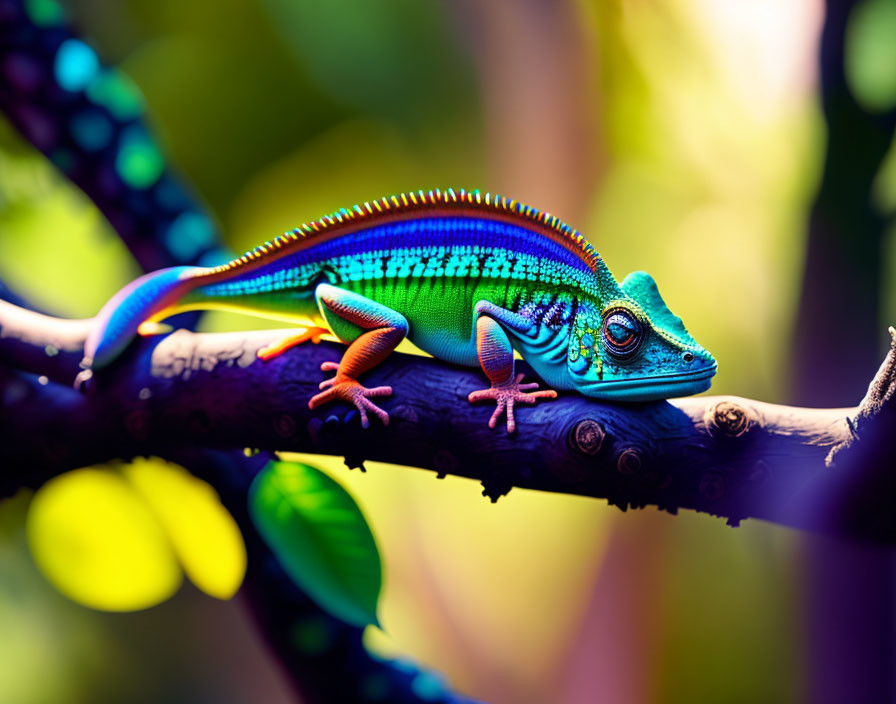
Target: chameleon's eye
<point x="621" y="333"/>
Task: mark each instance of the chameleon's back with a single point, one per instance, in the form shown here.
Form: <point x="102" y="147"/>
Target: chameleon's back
<point x="430" y="256"/>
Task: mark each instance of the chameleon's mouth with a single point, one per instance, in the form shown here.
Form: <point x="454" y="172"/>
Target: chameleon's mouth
<point x="655" y="387"/>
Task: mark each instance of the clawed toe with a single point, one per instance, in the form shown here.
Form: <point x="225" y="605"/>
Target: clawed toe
<point x="345" y="388"/>
<point x="507" y="395"/>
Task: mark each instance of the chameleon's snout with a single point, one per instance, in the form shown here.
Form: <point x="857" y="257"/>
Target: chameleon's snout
<point x="698" y="361"/>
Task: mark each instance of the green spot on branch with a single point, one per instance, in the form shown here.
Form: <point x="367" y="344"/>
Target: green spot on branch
<point x="44" y="13"/>
<point x="117" y="93"/>
<point x="139" y="162"/>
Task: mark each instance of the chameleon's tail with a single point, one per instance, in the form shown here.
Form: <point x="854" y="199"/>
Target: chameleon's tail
<point x="118" y="321"/>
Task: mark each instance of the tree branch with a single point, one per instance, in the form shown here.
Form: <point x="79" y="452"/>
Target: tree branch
<point x="816" y="469"/>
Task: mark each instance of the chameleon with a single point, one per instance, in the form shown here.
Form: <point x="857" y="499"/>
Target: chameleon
<point x="467" y="277"/>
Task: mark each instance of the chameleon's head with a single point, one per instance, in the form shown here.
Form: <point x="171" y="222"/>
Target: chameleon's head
<point x="636" y="349"/>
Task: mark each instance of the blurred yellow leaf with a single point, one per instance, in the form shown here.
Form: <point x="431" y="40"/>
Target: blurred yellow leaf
<point x="97" y="542"/>
<point x="204" y="535"/>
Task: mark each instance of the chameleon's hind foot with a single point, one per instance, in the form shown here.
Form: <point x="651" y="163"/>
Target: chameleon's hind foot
<point x="278" y="347"/>
<point x="507" y="395"/>
<point x="345" y="388"/>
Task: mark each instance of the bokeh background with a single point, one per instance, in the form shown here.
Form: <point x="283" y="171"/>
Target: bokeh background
<point x="684" y="137"/>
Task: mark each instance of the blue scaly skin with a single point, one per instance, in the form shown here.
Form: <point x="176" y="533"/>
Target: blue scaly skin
<point x="466" y="277"/>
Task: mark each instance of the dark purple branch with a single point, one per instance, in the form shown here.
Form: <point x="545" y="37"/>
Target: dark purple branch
<point x="731" y="457"/>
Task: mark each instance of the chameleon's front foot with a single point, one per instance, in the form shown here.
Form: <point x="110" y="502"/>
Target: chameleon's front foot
<point x="507" y="396"/>
<point x="345" y="388"/>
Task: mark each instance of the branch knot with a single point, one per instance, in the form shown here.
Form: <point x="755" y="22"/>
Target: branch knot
<point x="586" y="436"/>
<point x="728" y="419"/>
<point x="629" y="461"/>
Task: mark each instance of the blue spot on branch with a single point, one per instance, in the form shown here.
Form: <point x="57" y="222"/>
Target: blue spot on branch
<point x="189" y="234"/>
<point x="76" y="64"/>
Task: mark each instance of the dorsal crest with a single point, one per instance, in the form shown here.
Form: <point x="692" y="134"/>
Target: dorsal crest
<point x="417" y="203"/>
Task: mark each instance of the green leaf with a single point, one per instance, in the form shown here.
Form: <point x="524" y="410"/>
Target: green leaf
<point x="320" y="537"/>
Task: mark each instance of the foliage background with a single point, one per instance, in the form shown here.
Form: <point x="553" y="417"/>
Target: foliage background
<point x="683" y="137"/>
